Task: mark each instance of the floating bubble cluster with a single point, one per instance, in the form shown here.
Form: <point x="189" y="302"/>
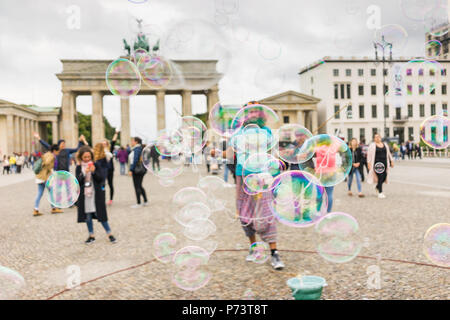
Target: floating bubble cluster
<point x="63" y="189"/>
<point x="163" y="247"/>
<point x="190" y="263"/>
<point x="221" y="118"/>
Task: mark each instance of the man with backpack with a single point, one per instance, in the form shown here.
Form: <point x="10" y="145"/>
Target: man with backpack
<point x="43" y="168"/>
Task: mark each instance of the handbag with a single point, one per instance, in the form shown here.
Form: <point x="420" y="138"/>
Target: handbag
<point x="140" y="169"/>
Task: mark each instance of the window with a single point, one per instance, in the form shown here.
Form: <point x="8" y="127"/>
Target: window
<point x="386" y="132"/>
<point x="411" y="133"/>
<point x="361" y="90"/>
<point x="433" y="109"/>
<point x="286" y="119"/>
<point x="336" y="91"/>
<point x="336" y="72"/>
<point x="421" y="90"/>
<point x="432" y="89"/>
<point x="386" y="89"/>
<point x="444" y="89"/>
<point x="410" y="110"/>
<point x="337" y="114"/>
<point x="373" y="90"/>
<point x="422" y="110"/>
<point x="361" y="72"/>
<point x="374" y="131"/>
<point x="349" y="112"/>
<point x="312" y="92"/>
<point x="386" y="111"/>
<point x="385" y="72"/>
<point x="349" y="91"/>
<point x="398" y="113"/>
<point x="373" y="72"/>
<point x="361" y="111"/>
<point x="349" y="134"/>
<point x="432" y="73"/>
<point x="374" y="111"/>
<point x="409" y="89"/>
<point x="409" y="72"/>
<point x="444" y="71"/>
<point x="420" y="72"/>
<point x="342" y="91"/>
<point x="312" y="80"/>
<point x="444" y="109"/>
<point x="348" y="72"/>
<point x="362" y="134"/>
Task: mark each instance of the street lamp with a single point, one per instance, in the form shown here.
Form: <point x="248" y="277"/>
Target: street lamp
<point x="383" y="45"/>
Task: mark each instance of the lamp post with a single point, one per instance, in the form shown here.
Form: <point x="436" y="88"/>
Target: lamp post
<point x="383" y="45"/>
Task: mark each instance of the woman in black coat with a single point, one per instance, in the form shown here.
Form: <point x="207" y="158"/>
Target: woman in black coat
<point x="91" y="202"/>
<point x="357" y="161"/>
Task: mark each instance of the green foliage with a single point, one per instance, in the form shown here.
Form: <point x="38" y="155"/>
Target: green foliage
<point x="85" y="127"/>
<point x="203" y="116"/>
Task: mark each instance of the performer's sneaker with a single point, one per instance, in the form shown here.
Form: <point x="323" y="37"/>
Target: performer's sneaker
<point x="112" y="239"/>
<point x="277" y="264"/>
<point x="56" y="210"/>
<point x="251" y="256"/>
<point x="90" y="240"/>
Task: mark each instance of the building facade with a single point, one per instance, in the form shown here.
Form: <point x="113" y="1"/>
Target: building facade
<point x="442" y="35"/>
<point x="353" y="103"/>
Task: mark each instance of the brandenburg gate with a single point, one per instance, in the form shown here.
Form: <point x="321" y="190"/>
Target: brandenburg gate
<point x="88" y="77"/>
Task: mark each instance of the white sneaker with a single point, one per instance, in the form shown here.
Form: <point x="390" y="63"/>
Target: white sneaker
<point x="277" y="264"/>
<point x="381" y="196"/>
<point x="146" y="204"/>
<point x="251" y="257"/>
<point x="136" y="206"/>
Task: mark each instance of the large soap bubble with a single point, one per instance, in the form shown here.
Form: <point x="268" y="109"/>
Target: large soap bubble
<point x="123" y="78"/>
<point x="63" y="189"/>
<point x="163" y="247"/>
<point x="221" y="118"/>
<point x="192" y="211"/>
<point x="11" y="282"/>
<point x="291" y="138"/>
<point x="298" y="200"/>
<point x="434" y="132"/>
<point x="190" y="271"/>
<point x="436" y="244"/>
<point x="332" y="160"/>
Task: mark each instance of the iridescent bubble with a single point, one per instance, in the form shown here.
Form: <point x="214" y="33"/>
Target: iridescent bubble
<point x="257" y="183"/>
<point x="189" y="195"/>
<point x="190" y="274"/>
<point x="332" y="160"/>
<point x="156" y="71"/>
<point x="194" y="133"/>
<point x="164" y="247"/>
<point x="434" y="132"/>
<point x="199" y="229"/>
<point x="436" y="21"/>
<point x="164" y="169"/>
<point x="291" y="138"/>
<point x="255" y="114"/>
<point x="169" y="142"/>
<point x="11" y="282"/>
<point x="339" y="241"/>
<point x="397" y="83"/>
<point x="252" y="139"/>
<point x="221" y="118"/>
<point x="123" y="78"/>
<point x="394" y="34"/>
<point x="260" y="252"/>
<point x="436" y="245"/>
<point x="63" y="189"/>
<point x="137" y="55"/>
<point x="433" y="49"/>
<point x="259" y="171"/>
<point x="298" y="200"/>
<point x="216" y="191"/>
<point x="192" y="211"/>
<point x="166" y="182"/>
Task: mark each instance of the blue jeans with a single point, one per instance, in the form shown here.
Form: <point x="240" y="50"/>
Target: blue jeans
<point x="41" y="188"/>
<point x="225" y="173"/>
<point x="329" y="191"/>
<point x="356" y="172"/>
<point x="122" y="168"/>
<point x="90" y="225"/>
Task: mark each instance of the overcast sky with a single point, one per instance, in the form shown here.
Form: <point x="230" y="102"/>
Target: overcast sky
<point x="261" y="44"/>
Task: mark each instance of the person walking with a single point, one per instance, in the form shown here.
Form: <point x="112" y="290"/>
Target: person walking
<point x="206" y="154"/>
<point x="409" y="149"/>
<point x="122" y="156"/>
<point x="364" y="147"/>
<point x="109" y="148"/>
<point x="396" y="149"/>
<point x="379" y="160"/>
<point x="154" y="155"/>
<point x="6" y="164"/>
<point x="403" y="150"/>
<point x="43" y="169"/>
<point x="137" y="171"/>
<point x="12" y="163"/>
<point x="357" y="158"/>
<point x="91" y="173"/>
<point x="20" y="161"/>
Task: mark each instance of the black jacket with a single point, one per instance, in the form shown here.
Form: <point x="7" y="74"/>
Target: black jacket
<point x="99" y="176"/>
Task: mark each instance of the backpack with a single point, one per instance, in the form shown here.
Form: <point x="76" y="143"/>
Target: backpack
<point x="63" y="160"/>
<point x="37" y="167"/>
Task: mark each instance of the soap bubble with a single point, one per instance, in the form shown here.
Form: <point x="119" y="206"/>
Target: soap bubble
<point x="256" y="114"/>
<point x="63" y="189"/>
<point x="163" y="246"/>
<point x="216" y="191"/>
<point x="194" y="133"/>
<point x="165" y="169"/>
<point x="298" y="200"/>
<point x="190" y="274"/>
<point x="189" y="195"/>
<point x="433" y="49"/>
<point x="394" y="34"/>
<point x="332" y="160"/>
<point x="192" y="211"/>
<point x="436" y="21"/>
<point x="221" y="118"/>
<point x="291" y="138"/>
<point x="260" y="252"/>
<point x="252" y="139"/>
<point x="156" y="71"/>
<point x="339" y="241"/>
<point x="199" y="229"/>
<point x="123" y="78"/>
<point x="434" y="132"/>
<point x="11" y="282"/>
<point x="436" y="244"/>
<point x="169" y="142"/>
